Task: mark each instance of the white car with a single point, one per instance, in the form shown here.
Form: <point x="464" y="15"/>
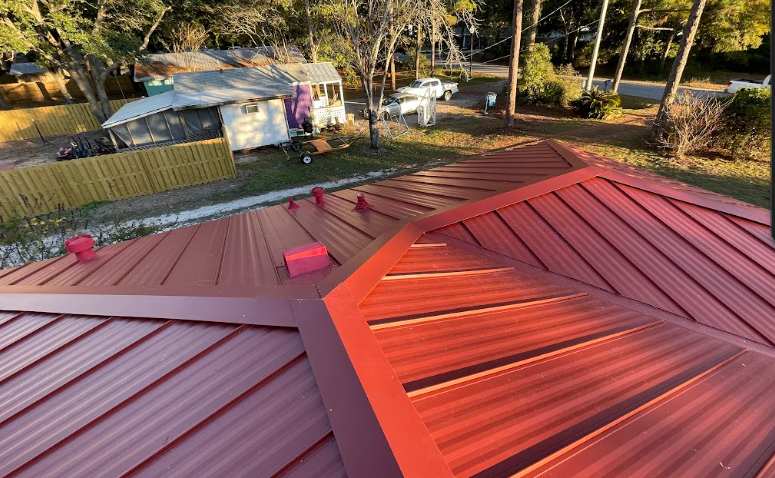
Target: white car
<point x="399" y="103"/>
<point x="441" y="89"/>
<point x="739" y="84"/>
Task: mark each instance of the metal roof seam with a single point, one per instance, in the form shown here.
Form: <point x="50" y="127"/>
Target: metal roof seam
<point x="371" y="192"/>
<point x="217" y="274"/>
<point x="131" y="398"/>
<point x="127" y="248"/>
<point x="90" y="370"/>
<point x="630" y="303"/>
<point x="568" y="244"/>
<point x="311" y="449"/>
<point x="750" y="261"/>
<point x="759" y="215"/>
<point x="666" y="395"/>
<point x="180" y="254"/>
<point x="29" y="269"/>
<point x="421" y="388"/>
<point x="517" y="238"/>
<point x="693" y="247"/>
<point x="31" y="333"/>
<point x="173" y="442"/>
<point x="668" y="293"/>
<point x="62" y="347"/>
<point x="262" y="226"/>
<point x="13" y="319"/>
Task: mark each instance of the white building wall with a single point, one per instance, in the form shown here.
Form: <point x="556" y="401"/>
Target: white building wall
<point x="247" y="127"/>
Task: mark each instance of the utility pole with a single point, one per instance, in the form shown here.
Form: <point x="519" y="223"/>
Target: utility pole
<point x="592" y="64"/>
<point x="471" y="57"/>
<point x="516" y="23"/>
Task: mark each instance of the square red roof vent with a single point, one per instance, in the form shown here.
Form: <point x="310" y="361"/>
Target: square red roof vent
<point x="305" y="259"/>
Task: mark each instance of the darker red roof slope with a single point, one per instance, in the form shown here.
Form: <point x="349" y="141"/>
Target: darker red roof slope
<point x="533" y="312"/>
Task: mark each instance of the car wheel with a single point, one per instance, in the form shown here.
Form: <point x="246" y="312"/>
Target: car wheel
<point x="447" y="95"/>
<point x="306" y="158"/>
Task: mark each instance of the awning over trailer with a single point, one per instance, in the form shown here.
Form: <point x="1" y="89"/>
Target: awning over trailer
<point x="227" y="96"/>
<point x="141" y="108"/>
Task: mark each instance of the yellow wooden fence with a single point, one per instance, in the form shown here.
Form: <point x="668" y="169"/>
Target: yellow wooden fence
<point x="48" y="187"/>
<point x="51" y="120"/>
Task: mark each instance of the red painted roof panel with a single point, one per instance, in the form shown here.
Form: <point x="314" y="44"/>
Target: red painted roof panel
<point x="89" y="396"/>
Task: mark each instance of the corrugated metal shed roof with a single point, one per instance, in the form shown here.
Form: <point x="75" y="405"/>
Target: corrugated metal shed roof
<point x="205" y="98"/>
<point x="141" y="108"/>
<point x="262" y="76"/>
<point x="160" y="66"/>
<point x="521" y="313"/>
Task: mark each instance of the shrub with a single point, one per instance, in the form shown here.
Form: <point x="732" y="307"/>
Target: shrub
<point x="410" y="64"/>
<point x="566" y="70"/>
<point x="747" y="123"/>
<point x="597" y="104"/>
<point x="535" y="73"/>
<point x="692" y="123"/>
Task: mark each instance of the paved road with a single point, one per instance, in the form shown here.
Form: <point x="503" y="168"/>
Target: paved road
<point x="626" y="87"/>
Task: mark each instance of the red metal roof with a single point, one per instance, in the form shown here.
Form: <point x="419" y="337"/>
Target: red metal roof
<point x="537" y="311"/>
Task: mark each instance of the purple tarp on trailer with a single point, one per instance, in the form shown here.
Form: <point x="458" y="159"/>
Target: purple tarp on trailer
<point x="298" y="108"/>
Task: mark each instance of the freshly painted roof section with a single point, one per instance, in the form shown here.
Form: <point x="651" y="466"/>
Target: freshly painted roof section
<point x="141" y="108"/>
<point x="514" y="374"/>
<point x="160" y="66"/>
<point x="264" y="76"/>
<point x="478" y="321"/>
<point x="695" y="262"/>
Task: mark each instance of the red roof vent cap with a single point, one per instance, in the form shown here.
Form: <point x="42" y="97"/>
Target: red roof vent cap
<point x="292" y="204"/>
<point x="305" y="259"/>
<point x="318" y="193"/>
<point x="82" y="246"/>
<point x="362" y="204"/>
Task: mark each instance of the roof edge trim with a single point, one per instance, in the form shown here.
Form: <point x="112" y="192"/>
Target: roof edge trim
<point x="401" y="440"/>
<point x="195" y="304"/>
<point x="476" y="207"/>
<point x="752" y="213"/>
<point x="364" y="271"/>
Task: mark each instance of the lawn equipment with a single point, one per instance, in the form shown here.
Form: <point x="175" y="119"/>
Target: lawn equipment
<point x="305" y="150"/>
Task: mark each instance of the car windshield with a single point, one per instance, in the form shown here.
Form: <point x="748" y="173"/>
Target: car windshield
<point x="388" y="101"/>
<point x="416" y="84"/>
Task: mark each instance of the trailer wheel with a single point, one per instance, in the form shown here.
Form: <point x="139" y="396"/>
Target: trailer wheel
<point x="306" y="158"/>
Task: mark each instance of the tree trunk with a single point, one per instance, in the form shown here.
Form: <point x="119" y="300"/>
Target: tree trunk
<point x="666" y="52"/>
<point x="367" y="82"/>
<point x="78" y="75"/>
<point x="433" y="49"/>
<point x="514" y="63"/>
<point x="98" y="74"/>
<point x="626" y="46"/>
<point x="671" y="88"/>
<point x="574" y="39"/>
<point x="417" y="53"/>
<point x="312" y="48"/>
<point x="531" y="37"/>
<point x="4" y="105"/>
<point x="58" y="76"/>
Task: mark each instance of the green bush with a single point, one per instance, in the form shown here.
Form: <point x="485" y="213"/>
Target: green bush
<point x="597" y="104"/>
<point x="747" y="123"/>
<point x="535" y="73"/>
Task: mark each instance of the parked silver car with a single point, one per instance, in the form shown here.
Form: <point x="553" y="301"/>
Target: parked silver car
<point x="399" y="103"/>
